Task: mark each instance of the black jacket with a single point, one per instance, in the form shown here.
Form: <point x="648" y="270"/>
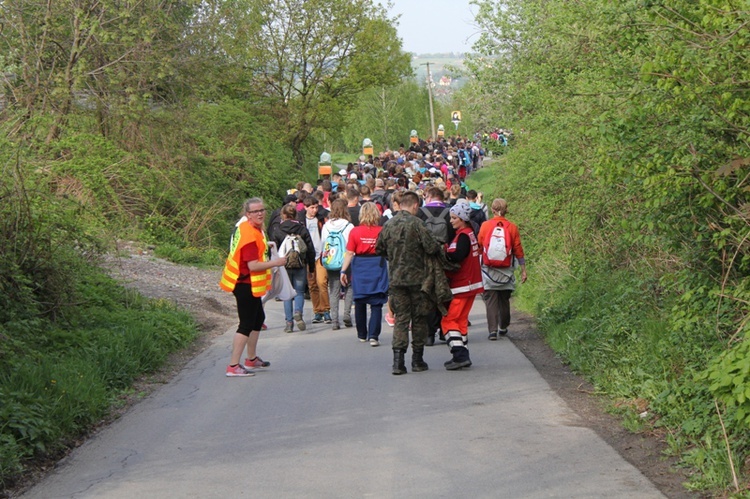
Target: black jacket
<point x="322" y="215"/>
<point x="296" y="227"/>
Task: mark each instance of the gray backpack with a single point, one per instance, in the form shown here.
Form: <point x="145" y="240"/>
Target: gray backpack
<point x="438" y="225"/>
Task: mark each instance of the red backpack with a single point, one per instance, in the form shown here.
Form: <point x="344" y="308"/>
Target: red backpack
<point x="497" y="250"/>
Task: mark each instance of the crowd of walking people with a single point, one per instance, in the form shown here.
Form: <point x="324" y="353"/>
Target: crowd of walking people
<point x="400" y="232"/>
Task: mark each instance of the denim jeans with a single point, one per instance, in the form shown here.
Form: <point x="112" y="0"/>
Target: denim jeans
<point x="372" y="330"/>
<point x="299" y="279"/>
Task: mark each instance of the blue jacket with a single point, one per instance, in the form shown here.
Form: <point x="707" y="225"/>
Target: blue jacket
<point x="370" y="279"/>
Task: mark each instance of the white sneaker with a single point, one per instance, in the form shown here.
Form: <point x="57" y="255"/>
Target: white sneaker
<point x="374" y="342"/>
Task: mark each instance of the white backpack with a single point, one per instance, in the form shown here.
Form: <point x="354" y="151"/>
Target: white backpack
<point x="497" y="250"/>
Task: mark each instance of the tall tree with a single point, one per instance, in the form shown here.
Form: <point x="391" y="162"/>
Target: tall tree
<point x="308" y="60"/>
<point x="388" y="114"/>
<point x="103" y="54"/>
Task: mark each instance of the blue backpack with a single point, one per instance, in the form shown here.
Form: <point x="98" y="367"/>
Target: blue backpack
<point x="334" y="248"/>
<point x="465" y="158"/>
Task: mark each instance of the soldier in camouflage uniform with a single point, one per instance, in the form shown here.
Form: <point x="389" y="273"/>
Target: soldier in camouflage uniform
<point x="404" y="242"/>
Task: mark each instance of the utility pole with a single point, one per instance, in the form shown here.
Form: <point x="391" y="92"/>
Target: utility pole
<point x="385" y="120"/>
<point x="429" y="93"/>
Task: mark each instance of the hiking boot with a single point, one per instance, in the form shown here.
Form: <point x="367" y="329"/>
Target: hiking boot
<point x="289" y="328"/>
<point x="256" y="362"/>
<point x="492" y="336"/>
<point x="327" y="317"/>
<point x="300" y="321"/>
<point x="318" y="318"/>
<point x="453" y="365"/>
<point x="238" y="371"/>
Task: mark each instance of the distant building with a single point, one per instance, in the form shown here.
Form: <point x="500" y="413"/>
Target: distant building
<point x="445" y="81"/>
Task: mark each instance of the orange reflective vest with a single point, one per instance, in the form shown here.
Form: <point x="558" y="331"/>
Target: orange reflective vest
<point x="260" y="281"/>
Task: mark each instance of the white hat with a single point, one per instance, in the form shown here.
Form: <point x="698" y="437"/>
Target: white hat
<point x="353" y="175"/>
<point x="462" y="211"/>
<point x="342" y="172"/>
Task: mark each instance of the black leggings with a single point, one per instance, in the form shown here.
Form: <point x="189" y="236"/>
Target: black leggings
<point x="249" y="309"/>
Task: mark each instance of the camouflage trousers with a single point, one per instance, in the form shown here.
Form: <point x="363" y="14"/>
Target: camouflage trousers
<point x="410" y="307"/>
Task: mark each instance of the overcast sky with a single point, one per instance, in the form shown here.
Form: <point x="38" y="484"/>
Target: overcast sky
<point x="435" y="26"/>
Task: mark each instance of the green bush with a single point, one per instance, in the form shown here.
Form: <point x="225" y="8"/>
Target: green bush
<point x="628" y="177"/>
<point x="112" y="340"/>
<point x="55" y="303"/>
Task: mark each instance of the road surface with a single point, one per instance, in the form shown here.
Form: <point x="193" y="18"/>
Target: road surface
<point x="328" y="419"/>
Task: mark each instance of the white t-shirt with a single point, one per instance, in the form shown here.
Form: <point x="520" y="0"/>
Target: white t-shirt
<point x="333" y="225"/>
<point x="312" y="228"/>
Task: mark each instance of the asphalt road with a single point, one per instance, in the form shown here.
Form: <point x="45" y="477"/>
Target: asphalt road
<point x="328" y="419"/>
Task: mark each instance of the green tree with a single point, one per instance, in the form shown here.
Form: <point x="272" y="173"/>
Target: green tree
<point x="387" y="115"/>
<point x="630" y="172"/>
<point x="306" y="61"/>
<point x="115" y="57"/>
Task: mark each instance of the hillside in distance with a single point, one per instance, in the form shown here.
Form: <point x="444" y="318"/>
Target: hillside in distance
<point x="443" y="68"/>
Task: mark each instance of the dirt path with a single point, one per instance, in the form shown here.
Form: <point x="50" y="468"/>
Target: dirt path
<point x="214" y="310"/>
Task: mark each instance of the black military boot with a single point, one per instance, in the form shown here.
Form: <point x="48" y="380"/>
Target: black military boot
<point x="417" y="362"/>
<point x="398" y="362"/>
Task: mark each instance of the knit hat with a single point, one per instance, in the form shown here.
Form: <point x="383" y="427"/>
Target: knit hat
<point x="462" y="211"/>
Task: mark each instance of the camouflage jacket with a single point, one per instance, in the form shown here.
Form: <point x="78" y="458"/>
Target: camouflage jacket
<point x="404" y="242"/>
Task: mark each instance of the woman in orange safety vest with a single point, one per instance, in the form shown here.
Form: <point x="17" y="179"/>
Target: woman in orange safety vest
<point x="247" y="275"/>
